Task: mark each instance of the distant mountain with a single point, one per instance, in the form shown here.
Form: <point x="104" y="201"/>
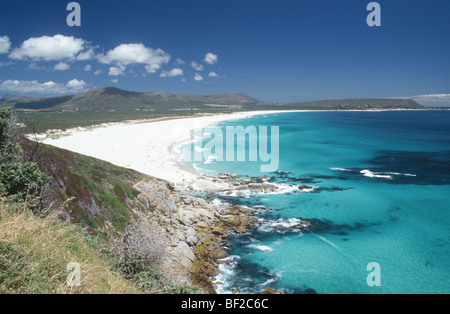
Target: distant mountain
<point x="115" y="99"/>
<point x="9" y="97"/>
<point x="111" y="98"/>
<point x="357" y="104"/>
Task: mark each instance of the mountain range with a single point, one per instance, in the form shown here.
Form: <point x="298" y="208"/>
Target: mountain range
<point x="112" y="99"/>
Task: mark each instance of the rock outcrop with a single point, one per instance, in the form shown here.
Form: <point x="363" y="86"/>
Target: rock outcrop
<point x="195" y="229"/>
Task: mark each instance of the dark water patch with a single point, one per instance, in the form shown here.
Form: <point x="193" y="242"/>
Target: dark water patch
<point x="275" y="227"/>
<point x="400" y="167"/>
<point x="253" y="203"/>
<point x="311" y="180"/>
<point x="332" y="189"/>
<point x="325" y="177"/>
<point x="421" y="168"/>
<point x="285" y="176"/>
<point x="251" y="277"/>
<point x="328" y="227"/>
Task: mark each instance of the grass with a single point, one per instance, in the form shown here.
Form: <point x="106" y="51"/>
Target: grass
<point x="37" y="249"/>
<point x="35" y="252"/>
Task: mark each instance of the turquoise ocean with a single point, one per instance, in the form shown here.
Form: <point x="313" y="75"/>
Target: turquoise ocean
<point x="379" y="192"/>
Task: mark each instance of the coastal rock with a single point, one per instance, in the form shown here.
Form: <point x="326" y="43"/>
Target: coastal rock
<point x="195" y="229"/>
<point x="191" y="238"/>
<point x="191" y="241"/>
<point x="171" y="186"/>
<point x="219" y="231"/>
<point x="272" y="291"/>
<point x="239" y="210"/>
<point x="186" y="254"/>
<point x="269" y="187"/>
<point x="239" y="224"/>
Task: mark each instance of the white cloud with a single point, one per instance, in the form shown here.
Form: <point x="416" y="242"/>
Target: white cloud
<point x="196" y="66"/>
<point x="62" y="66"/>
<point x="46" y="48"/>
<point x="213" y="74"/>
<point x="5" y="44"/>
<point x="76" y="84"/>
<point x="116" y="71"/>
<point x="172" y="73"/>
<point x="115" y="81"/>
<point x="179" y="61"/>
<point x="87" y="68"/>
<point x="211" y="58"/>
<point x="434" y="100"/>
<point x="198" y="77"/>
<point x="50" y="87"/>
<point x="98" y="72"/>
<point x="87" y="55"/>
<point x="127" y="54"/>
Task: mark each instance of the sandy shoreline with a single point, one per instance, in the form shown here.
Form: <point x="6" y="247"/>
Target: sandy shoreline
<point x="147" y="147"/>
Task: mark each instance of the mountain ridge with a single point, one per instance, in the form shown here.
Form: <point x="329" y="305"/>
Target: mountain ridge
<point x="113" y="105"/>
<point x="112" y="98"/>
<point x="115" y="98"/>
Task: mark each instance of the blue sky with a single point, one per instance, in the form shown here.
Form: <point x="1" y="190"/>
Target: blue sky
<point x="282" y="51"/>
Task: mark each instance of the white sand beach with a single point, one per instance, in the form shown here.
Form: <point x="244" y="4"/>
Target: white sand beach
<point x="148" y="147"/>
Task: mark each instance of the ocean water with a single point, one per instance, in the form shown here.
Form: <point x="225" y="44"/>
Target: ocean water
<point x="380" y="192"/>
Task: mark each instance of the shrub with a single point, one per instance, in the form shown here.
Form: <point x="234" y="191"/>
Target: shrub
<point x="140" y="253"/>
<point x="19" y="179"/>
<point x="140" y="248"/>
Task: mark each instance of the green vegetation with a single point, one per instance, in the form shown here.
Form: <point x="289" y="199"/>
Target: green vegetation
<point x="150" y="278"/>
<point x="139" y="252"/>
<point x="39" y="122"/>
<point x="96" y="200"/>
<point x="87" y="210"/>
<point x="18" y="178"/>
<point x="35" y="252"/>
<point x="105" y="105"/>
<point x="101" y="194"/>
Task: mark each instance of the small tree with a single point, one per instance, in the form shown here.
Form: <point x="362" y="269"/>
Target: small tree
<point x="19" y="179"/>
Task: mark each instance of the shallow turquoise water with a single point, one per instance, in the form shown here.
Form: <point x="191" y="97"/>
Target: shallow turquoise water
<point x="381" y="195"/>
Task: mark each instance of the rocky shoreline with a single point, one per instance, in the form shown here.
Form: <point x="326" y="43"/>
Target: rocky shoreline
<point x="196" y="230"/>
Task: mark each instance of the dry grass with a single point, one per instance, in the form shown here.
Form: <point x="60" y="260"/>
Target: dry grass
<point x="35" y="252"/>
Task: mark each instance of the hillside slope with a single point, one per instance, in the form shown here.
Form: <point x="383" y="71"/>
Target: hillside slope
<point x="107" y="200"/>
<point x="100" y="194"/>
<point x="35" y="253"/>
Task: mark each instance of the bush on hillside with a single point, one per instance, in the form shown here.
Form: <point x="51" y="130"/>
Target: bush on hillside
<point x="21" y="180"/>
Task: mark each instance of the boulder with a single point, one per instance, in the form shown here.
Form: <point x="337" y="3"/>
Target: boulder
<point x="272" y="291"/>
<point x="187" y="256"/>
